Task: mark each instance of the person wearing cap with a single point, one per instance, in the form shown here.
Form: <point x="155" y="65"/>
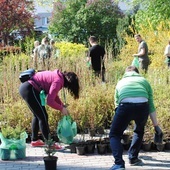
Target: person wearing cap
<point x="133" y="102"/>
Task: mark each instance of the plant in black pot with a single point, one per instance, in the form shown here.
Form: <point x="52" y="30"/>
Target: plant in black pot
<point x="50" y="160"/>
<point x="147" y="141"/>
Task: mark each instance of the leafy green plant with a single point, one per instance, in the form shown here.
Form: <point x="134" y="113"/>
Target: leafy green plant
<point x="14" y="111"/>
<point x="49" y="147"/>
<point x="12" y="133"/>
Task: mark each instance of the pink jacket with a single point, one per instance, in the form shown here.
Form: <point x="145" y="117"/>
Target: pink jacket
<point x="51" y="82"/>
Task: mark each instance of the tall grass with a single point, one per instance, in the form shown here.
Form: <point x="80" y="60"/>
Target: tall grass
<point x="96" y="104"/>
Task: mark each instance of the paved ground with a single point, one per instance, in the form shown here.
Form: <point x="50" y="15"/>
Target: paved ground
<point x="72" y="161"/>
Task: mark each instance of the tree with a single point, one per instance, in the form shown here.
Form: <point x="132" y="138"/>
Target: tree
<point x="64" y="20"/>
<point x="150" y="13"/>
<point x="15" y="15"/>
<point x="124" y="27"/>
<point x="76" y="20"/>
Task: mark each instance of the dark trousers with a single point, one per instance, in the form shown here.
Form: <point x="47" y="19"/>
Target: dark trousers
<point x="124" y="114"/>
<point x="40" y="117"/>
<point x="100" y="74"/>
<point x="144" y="64"/>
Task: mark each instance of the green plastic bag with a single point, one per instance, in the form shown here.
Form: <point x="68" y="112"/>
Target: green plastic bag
<point x="135" y="62"/>
<point x="42" y="97"/>
<point x="66" y="129"/>
<point x="13" y="143"/>
<point x="88" y="64"/>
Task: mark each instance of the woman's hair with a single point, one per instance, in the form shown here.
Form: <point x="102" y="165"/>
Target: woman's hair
<point x="132" y="68"/>
<point x="71" y="82"/>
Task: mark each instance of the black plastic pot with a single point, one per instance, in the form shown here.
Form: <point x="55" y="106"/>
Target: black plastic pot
<point x="90" y="148"/>
<point x="50" y="162"/>
<point x="146" y="146"/>
<point x="160" y="146"/>
<point x="102" y="148"/>
<point x="80" y="150"/>
<point x="73" y="147"/>
<point x="167" y="145"/>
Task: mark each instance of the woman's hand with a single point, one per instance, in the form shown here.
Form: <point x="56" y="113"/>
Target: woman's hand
<point x="64" y="111"/>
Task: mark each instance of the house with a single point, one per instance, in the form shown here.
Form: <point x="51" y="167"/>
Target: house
<point x="43" y="14"/>
<point x="123" y="6"/>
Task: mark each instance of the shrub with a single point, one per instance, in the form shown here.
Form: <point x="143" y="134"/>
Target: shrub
<point x="96" y="104"/>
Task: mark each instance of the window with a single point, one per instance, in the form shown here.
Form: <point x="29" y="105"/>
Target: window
<point x="45" y="20"/>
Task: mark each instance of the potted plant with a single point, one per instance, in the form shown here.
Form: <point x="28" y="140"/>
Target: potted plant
<point x="127" y="137"/>
<point x="147" y="141"/>
<point x="50" y="160"/>
<point x="101" y="146"/>
<point x="13" y="142"/>
<point x="81" y="145"/>
<point x="167" y="140"/>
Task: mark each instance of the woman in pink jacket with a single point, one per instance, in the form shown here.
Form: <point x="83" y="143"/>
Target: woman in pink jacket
<point x="51" y="82"/>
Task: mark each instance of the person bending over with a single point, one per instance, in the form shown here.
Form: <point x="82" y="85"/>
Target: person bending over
<point x="51" y="82"/>
<point x="133" y="101"/>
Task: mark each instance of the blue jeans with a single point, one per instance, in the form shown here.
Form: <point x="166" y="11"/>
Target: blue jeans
<point x="125" y="113"/>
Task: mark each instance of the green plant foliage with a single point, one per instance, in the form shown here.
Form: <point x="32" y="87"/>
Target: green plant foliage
<point x="123" y="29"/>
<point x="76" y="20"/>
<point x="12" y="133"/>
<point x="151" y="13"/>
<point x="95" y="107"/>
<point x="49" y="147"/>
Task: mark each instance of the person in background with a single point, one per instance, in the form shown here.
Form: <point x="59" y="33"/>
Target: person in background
<point x="52" y="47"/>
<point x="133" y="101"/>
<point x="43" y="54"/>
<point x="55" y="52"/>
<point x="96" y="57"/>
<point x="36" y="44"/>
<point x="51" y="82"/>
<point x="167" y="54"/>
<point x="142" y="53"/>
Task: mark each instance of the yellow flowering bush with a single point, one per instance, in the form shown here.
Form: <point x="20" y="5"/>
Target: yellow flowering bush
<point x="71" y="50"/>
<point x="156" y="41"/>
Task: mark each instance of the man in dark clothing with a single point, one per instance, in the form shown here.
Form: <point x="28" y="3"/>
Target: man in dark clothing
<point x="96" y="57"/>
